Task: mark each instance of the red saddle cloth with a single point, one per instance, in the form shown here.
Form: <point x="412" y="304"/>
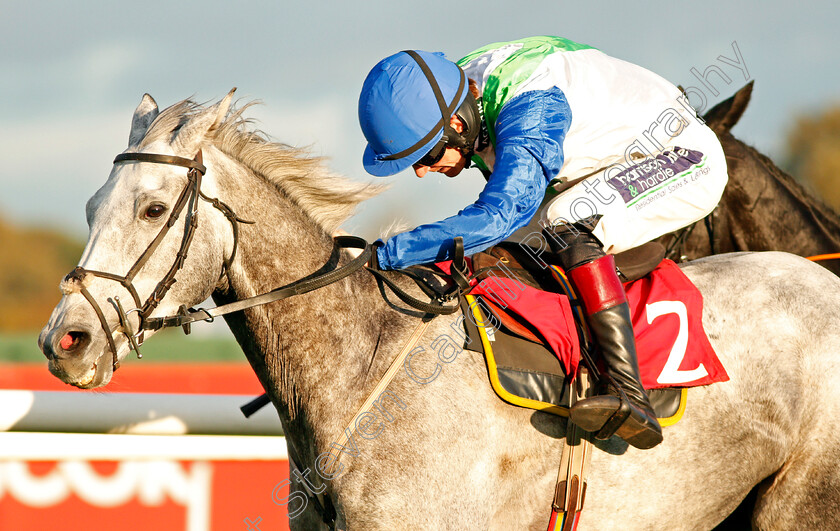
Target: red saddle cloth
<point x="666" y="311"/>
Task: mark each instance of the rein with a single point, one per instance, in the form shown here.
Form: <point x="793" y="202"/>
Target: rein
<point x="297" y="287"/>
<point x="674" y="250"/>
<point x="190" y="195"/>
<point x="821" y="257"/>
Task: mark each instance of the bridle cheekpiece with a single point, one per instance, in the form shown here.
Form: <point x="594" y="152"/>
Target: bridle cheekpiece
<point x="190" y="195"/>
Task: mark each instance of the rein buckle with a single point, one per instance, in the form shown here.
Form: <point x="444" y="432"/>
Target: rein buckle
<point x="128" y="331"/>
<point x="184" y="312"/>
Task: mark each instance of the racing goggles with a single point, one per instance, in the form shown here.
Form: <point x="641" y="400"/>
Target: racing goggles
<point x="434" y="155"/>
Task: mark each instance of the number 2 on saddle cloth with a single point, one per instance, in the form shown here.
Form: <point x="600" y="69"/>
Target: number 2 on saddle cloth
<point x="527" y="322"/>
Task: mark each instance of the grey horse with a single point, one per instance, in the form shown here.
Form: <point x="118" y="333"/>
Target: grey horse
<point x="440" y="450"/>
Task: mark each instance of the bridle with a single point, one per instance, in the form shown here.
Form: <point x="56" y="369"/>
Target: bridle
<point x="190" y="195"/>
<point x="326" y="275"/>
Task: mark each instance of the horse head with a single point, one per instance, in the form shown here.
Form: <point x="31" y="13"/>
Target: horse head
<point x="135" y="262"/>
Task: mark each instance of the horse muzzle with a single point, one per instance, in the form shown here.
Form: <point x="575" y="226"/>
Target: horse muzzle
<point x="77" y="355"/>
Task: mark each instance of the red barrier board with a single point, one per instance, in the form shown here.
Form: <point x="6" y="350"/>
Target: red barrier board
<point x="158" y="495"/>
<point x="140" y="377"/>
<point x="139" y="495"/>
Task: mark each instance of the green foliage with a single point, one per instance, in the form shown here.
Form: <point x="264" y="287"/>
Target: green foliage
<point x="32" y="263"/>
<point x="20" y="348"/>
<point x="168" y="345"/>
<point x="814" y="153"/>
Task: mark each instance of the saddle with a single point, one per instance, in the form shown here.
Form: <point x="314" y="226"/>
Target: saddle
<point x="632" y="264"/>
<point x="522" y="367"/>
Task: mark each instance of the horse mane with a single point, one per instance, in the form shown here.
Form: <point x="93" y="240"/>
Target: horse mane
<point x="329" y="199"/>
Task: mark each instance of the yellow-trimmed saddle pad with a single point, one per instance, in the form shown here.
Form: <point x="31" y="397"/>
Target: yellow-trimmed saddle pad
<point x="526" y="374"/>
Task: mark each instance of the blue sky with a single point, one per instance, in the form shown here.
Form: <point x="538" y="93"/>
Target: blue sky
<point x="71" y="75"/>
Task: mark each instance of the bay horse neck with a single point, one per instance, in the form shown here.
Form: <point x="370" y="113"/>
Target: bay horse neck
<point x="763" y="208"/>
<point x="312" y="352"/>
<point x="766" y="209"/>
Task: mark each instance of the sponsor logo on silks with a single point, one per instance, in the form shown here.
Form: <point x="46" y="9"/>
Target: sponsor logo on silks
<point x="653" y="174"/>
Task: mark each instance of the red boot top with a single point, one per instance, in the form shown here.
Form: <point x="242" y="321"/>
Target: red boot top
<point x="598" y="285"/>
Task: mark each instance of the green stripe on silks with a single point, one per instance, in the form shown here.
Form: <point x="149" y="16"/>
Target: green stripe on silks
<point x="479" y="163"/>
<point x="506" y="78"/>
<point x="558" y="42"/>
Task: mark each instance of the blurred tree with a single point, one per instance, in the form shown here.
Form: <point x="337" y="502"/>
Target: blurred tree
<point x="814" y="153"/>
<point x="32" y="263"/>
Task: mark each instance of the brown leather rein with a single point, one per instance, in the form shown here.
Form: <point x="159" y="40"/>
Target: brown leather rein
<point x="190" y="195"/>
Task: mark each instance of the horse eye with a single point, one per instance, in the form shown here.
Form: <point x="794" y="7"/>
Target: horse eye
<point x="155" y="211"/>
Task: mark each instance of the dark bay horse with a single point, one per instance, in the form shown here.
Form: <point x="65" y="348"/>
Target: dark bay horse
<point x="447" y="454"/>
<point x="763" y="208"/>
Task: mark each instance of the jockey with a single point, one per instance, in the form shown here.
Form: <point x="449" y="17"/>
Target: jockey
<point x="600" y="153"/>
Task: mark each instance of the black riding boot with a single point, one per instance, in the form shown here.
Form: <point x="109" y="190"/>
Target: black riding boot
<point x="623" y="407"/>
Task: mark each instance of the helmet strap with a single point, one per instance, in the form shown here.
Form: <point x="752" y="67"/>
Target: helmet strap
<point x="452" y="137"/>
<point x="474" y="136"/>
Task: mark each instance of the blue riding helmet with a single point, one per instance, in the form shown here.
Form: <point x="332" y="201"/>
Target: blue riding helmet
<point x="406" y="103"/>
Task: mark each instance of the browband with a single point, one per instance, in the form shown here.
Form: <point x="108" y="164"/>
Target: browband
<point x="161" y="159"/>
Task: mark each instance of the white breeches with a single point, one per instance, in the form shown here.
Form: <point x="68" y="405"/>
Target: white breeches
<point x="654" y="196"/>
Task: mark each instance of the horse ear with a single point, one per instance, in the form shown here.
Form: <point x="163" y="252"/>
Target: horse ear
<point x="723" y="116"/>
<point x="144" y="115"/>
<point x="193" y="133"/>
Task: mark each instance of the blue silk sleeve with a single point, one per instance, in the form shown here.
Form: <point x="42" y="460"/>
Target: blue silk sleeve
<point x="529" y="153"/>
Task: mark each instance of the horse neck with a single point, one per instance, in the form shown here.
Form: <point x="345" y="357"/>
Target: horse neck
<point x="311" y="352"/>
<point x="766" y="209"/>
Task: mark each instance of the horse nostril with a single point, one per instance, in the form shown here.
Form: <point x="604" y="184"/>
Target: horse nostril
<point x="73" y="340"/>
